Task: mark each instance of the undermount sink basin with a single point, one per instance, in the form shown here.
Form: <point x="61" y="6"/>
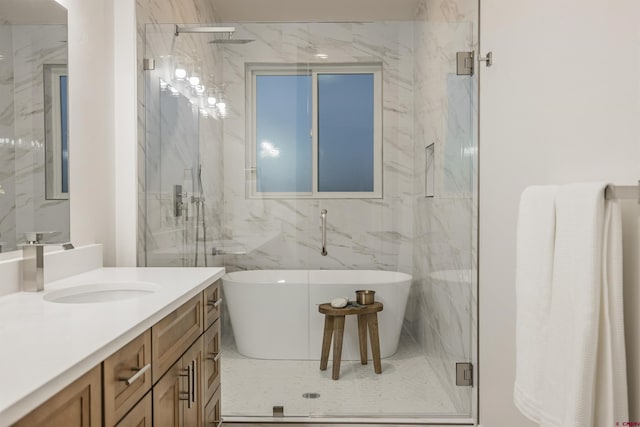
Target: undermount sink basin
<point x="101" y="292"/>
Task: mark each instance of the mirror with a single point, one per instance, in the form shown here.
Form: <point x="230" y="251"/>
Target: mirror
<point x="34" y="139"/>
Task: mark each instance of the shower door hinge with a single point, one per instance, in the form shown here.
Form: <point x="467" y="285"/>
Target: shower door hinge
<point x="464" y="374"/>
<point x="149" y="64"/>
<point x="464" y="61"/>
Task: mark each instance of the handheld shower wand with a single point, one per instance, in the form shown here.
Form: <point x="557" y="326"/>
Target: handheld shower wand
<point x="200" y="203"/>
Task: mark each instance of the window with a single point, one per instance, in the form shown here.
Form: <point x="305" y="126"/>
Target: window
<point x="314" y="132"/>
<point x="56" y="132"/>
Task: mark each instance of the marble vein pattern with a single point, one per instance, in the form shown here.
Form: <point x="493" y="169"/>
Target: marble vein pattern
<point x="24" y="207"/>
<point x="424" y="102"/>
<point x="362" y="233"/>
<point x="443" y="297"/>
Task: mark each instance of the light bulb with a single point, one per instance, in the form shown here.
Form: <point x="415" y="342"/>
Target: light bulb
<point x="211" y="101"/>
<point x="194" y="80"/>
<point x="222" y="109"/>
<point x="180" y="73"/>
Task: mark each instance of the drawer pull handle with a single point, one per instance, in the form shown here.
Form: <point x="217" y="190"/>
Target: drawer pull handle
<point x="214" y="356"/>
<point x="194" y="381"/>
<point x="214" y="304"/>
<point x="215" y="423"/>
<point x="139" y="373"/>
<point x="189" y="376"/>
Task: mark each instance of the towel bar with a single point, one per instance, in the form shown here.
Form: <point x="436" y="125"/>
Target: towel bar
<point x="622" y="192"/>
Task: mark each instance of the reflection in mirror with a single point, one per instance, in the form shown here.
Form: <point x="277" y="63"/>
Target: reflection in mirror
<point x="56" y="132"/>
<point x="33" y="34"/>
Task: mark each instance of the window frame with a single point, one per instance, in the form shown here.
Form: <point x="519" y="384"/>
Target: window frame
<point x="259" y="69"/>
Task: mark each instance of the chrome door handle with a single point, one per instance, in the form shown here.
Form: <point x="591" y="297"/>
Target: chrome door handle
<point x="139" y="373"/>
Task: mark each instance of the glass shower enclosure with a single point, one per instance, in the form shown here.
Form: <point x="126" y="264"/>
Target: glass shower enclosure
<point x="250" y="135"/>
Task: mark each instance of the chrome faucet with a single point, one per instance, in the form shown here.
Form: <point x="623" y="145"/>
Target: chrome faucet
<point x="33" y="261"/>
<point x="323" y="217"/>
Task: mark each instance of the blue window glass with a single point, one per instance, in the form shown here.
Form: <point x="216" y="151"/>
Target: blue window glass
<point x="345" y="132"/>
<point x="283" y="133"/>
<point x="64" y="137"/>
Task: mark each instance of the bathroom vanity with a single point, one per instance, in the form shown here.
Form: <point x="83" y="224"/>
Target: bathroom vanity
<point x="153" y="359"/>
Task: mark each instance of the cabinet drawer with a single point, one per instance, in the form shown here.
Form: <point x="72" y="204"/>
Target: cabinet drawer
<point x="168" y="394"/>
<point x="211" y="375"/>
<point x="127" y="377"/>
<point x="192" y="368"/>
<point x="212" y="304"/>
<point x="212" y="412"/>
<point x="173" y="335"/>
<point x="140" y="415"/>
<point x="78" y="405"/>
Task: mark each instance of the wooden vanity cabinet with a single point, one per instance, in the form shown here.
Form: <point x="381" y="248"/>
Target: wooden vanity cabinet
<point x="180" y="396"/>
<point x="212" y="414"/>
<point x="78" y="405"/>
<point x="173" y="335"/>
<point x="211" y="354"/>
<point x="127" y="377"/>
<point x="212" y="304"/>
<point x="167" y="377"/>
<point x="141" y="415"/>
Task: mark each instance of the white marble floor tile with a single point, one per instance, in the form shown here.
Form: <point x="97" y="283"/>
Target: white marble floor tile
<point x="408" y="386"/>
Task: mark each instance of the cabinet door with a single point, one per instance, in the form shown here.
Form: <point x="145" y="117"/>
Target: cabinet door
<point x="211" y="374"/>
<point x="127" y="377"/>
<point x="140" y="415"/>
<point x="212" y="412"/>
<point x="171" y="336"/>
<point x="192" y="366"/>
<point x="168" y="395"/>
<point x="78" y="405"/>
<point x="212" y="304"/>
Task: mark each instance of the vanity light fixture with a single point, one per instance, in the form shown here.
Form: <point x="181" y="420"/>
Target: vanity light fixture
<point x="194" y="76"/>
<point x="180" y="73"/>
<point x="211" y="101"/>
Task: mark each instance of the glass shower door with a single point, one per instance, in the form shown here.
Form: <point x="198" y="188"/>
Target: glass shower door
<point x="261" y="185"/>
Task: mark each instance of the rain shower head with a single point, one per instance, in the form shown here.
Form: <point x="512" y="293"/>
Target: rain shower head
<point x="231" y="41"/>
<point x="228" y="31"/>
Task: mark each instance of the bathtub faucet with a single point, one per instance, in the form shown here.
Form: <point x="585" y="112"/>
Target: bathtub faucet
<point x="323" y="217"/>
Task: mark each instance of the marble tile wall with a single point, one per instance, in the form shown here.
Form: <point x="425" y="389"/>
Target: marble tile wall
<point x="442" y="311"/>
<point x="424" y="101"/>
<point x="362" y="233"/>
<point x="167" y="154"/>
<point x="22" y="132"/>
<point x="7" y="147"/>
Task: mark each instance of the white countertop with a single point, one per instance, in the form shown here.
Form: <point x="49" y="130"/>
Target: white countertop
<point x="45" y="346"/>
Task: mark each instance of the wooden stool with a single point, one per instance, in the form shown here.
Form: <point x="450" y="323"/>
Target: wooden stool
<point x="334" y="325"/>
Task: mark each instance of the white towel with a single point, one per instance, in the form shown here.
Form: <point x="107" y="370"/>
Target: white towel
<point x="578" y="376"/>
<point x="534" y="261"/>
<point x="570" y="360"/>
<point x="612" y="403"/>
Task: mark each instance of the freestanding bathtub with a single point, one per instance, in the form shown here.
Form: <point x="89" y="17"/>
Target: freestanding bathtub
<point x="274" y="313"/>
